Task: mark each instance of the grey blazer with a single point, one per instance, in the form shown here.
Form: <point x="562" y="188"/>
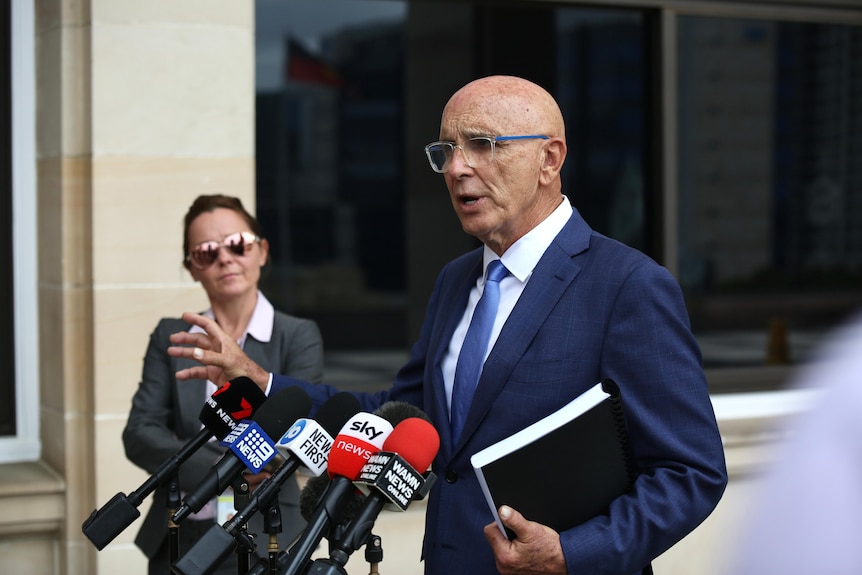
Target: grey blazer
<point x="164" y="416"/>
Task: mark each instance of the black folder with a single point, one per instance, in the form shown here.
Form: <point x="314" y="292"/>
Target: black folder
<point x="564" y="469"/>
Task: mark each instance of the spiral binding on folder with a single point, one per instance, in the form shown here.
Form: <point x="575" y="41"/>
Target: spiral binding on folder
<point x="611" y="388"/>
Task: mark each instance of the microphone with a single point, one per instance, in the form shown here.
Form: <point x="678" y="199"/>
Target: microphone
<point x="360" y="437"/>
<point x="250" y="446"/>
<point x="309" y="498"/>
<point x="338" y="500"/>
<point x="307" y="442"/>
<point x="233" y="401"/>
<point x="313" y="492"/>
<point x="392" y="411"/>
<point x="393" y="477"/>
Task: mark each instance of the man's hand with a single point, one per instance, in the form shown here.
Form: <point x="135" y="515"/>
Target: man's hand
<point x="220" y="356"/>
<point x="536" y="548"/>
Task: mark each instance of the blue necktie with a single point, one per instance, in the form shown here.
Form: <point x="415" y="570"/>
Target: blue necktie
<point x="472" y="354"/>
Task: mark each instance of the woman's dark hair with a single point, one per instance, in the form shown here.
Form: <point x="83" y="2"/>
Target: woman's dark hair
<point x="204" y="204"/>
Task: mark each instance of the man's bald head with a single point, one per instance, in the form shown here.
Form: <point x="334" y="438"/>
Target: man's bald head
<point x="516" y="105"/>
<point x="501" y="200"/>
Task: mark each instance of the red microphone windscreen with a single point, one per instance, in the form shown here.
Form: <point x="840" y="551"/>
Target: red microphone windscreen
<point x="362" y="435"/>
<point x="416" y="441"/>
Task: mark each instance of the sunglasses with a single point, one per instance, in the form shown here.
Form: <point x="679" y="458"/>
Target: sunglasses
<point x="205" y="254"/>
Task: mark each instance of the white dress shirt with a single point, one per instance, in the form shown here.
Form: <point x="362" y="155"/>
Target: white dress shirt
<point x="520" y="259"/>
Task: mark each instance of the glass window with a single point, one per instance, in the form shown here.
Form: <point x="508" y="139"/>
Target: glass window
<point x="770" y="184"/>
<point x="19" y="412"/>
<point x="601" y="91"/>
<point x="330" y="182"/>
<point x="769" y="126"/>
<point x="332" y="127"/>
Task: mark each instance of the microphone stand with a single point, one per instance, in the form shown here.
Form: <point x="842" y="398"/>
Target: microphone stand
<point x="358" y="533"/>
<point x="241" y="497"/>
<point x="172" y="500"/>
<point x="272" y="525"/>
<point x="334" y="565"/>
<point x="373" y="553"/>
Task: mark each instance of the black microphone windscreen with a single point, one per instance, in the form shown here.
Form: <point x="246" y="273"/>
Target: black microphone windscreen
<point x="310" y="495"/>
<point x="397" y="411"/>
<point x="235" y="400"/>
<point x="333" y="414"/>
<point x="315" y="488"/>
<point x="279" y="412"/>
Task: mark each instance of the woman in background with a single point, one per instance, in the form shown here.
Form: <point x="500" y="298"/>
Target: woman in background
<point x="224" y="251"/>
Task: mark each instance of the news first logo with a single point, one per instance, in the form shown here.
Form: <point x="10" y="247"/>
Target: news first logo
<point x="251" y="445"/>
<point x="309" y="443"/>
<point x="393" y="477"/>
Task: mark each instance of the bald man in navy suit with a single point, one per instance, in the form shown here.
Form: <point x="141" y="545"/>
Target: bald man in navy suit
<point x="575" y="308"/>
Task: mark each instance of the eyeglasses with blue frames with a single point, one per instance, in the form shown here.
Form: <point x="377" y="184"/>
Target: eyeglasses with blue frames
<point x="478" y="152"/>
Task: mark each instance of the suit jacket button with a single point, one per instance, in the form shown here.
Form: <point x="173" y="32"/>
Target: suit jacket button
<point x="451" y="476"/>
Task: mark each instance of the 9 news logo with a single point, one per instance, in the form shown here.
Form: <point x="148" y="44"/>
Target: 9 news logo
<point x="251" y="445"/>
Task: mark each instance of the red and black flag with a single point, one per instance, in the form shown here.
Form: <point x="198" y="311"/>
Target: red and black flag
<point x="305" y="67"/>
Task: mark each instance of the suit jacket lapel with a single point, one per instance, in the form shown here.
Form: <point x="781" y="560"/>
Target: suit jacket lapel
<point x="261" y="354"/>
<point x="191" y="395"/>
<point x="551" y="278"/>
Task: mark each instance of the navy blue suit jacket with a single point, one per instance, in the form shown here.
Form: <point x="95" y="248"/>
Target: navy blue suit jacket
<point x="593" y="308"/>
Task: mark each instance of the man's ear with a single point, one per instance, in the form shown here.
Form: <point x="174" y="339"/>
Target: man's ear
<point x="552" y="163"/>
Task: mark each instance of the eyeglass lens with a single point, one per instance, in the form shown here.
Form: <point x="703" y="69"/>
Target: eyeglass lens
<point x="206" y="253"/>
<point x="478" y="152"/>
